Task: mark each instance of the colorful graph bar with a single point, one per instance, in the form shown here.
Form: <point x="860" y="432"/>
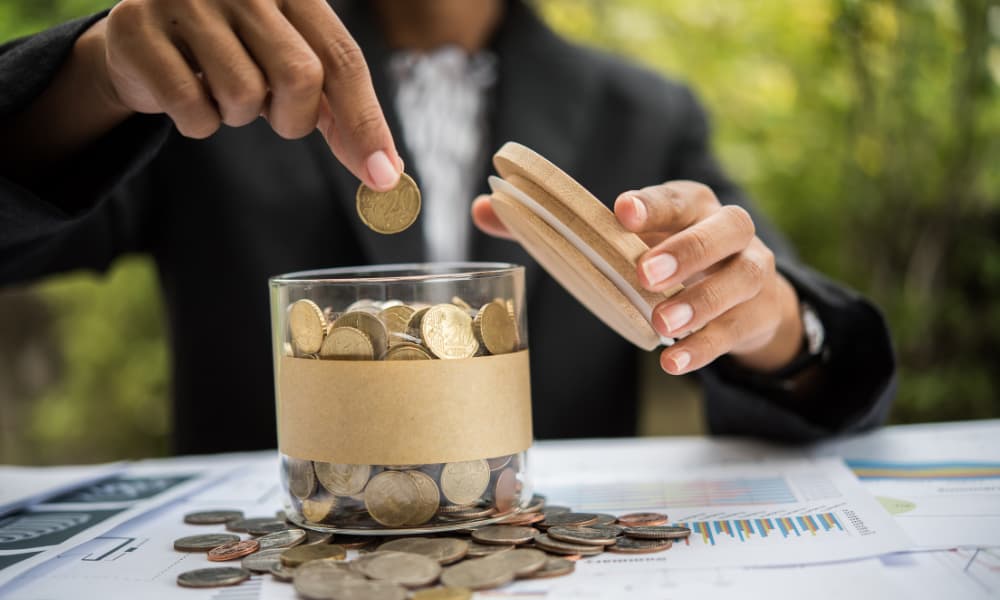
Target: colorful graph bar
<point x="866" y="469"/>
<point x="743" y="530"/>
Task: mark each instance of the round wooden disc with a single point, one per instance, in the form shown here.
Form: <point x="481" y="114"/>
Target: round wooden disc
<point x="574" y="271"/>
<point x="596" y="227"/>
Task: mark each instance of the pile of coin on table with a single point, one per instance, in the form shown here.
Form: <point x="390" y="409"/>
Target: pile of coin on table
<point x="392" y="330"/>
<point x="541" y="541"/>
<point x="394" y="496"/>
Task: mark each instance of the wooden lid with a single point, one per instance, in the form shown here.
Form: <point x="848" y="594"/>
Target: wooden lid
<point x="577" y="240"/>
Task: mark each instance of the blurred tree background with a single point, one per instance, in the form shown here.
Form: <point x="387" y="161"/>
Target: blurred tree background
<point x="869" y="130"/>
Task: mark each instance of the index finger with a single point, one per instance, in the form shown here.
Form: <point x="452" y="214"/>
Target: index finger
<point x="357" y="133"/>
<point x="666" y="208"/>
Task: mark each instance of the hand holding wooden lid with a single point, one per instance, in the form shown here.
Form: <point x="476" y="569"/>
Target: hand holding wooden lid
<point x="577" y="239"/>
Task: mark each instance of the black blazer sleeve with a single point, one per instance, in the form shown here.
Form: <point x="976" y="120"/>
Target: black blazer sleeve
<point x="852" y="387"/>
<point x="67" y="218"/>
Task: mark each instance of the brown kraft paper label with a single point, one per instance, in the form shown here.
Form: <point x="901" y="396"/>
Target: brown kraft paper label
<point x="404" y="412"/>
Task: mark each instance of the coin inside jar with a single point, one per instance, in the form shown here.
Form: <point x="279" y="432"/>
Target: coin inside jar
<point x="465" y="482"/>
<point x="396" y="320"/>
<point x="407" y="351"/>
<point x="368" y="323"/>
<point x="301" y="478"/>
<point x="347" y="343"/>
<point x="446" y="330"/>
<point x="306" y="325"/>
<point x="392" y="211"/>
<point x="342" y="480"/>
<point x="392" y="497"/>
<point x="494" y="328"/>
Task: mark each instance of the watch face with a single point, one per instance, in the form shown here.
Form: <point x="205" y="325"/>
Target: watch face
<point x="813" y="327"/>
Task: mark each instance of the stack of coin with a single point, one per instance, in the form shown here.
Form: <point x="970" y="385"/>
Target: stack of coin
<point x="413" y="566"/>
<point x="432" y="496"/>
<point x="475" y="558"/>
<point x="392" y="330"/>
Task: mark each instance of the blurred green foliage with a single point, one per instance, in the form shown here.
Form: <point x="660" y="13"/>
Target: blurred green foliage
<point x="869" y="130"/>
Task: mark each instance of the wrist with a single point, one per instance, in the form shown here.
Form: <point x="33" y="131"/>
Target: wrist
<point x="787" y="341"/>
<point x="91" y="52"/>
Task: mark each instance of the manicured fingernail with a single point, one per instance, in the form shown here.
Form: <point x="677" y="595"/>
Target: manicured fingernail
<point x="381" y="171"/>
<point x="658" y="268"/>
<point x="639" y="207"/>
<point x="681" y="360"/>
<point x="676" y="316"/>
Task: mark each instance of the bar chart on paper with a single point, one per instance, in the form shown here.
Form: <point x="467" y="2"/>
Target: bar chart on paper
<point x="755" y="514"/>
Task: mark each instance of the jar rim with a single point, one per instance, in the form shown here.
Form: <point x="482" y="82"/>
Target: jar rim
<point x="400" y="272"/>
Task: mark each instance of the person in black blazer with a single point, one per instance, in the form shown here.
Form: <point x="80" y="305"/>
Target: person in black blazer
<point x="111" y="144"/>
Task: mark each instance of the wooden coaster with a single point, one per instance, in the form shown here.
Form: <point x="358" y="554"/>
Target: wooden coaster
<point x="577" y="240"/>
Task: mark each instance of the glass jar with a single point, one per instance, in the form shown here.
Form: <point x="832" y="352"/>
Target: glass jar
<point x="402" y="395"/>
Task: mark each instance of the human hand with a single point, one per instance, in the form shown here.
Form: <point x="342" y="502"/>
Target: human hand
<point x="734" y="300"/>
<point x="209" y="62"/>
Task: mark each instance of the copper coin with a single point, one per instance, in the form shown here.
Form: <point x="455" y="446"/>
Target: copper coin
<point x="524" y="518"/>
<point x="642" y="519"/>
<point x="537" y="504"/>
<point x="568" y="519"/>
<point x="657" y="532"/>
<point x="233" y="550"/>
<point x="505" y="491"/>
<point x="633" y="546"/>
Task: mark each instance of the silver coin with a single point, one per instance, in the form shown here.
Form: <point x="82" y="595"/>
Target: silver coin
<point x="316" y="579"/>
<point x="216" y="577"/>
<point x="204" y="542"/>
<point x="555" y="509"/>
<point x="269" y="527"/>
<point x="443" y="550"/>
<point x="548" y="544"/>
<point x="362" y="589"/>
<point x="628" y="545"/>
<point x="523" y="561"/>
<point x="282" y="539"/>
<point x="404" y="568"/>
<point x="504" y="534"/>
<point x="657" y="532"/>
<point x="245" y="525"/>
<point x="212" y="517"/>
<point x="593" y="535"/>
<point x="301" y="477"/>
<point x="262" y="561"/>
<point x="604" y="519"/>
<point x="567" y="519"/>
<point x="478" y="574"/>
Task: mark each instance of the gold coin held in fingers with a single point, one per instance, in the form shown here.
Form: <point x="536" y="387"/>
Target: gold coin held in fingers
<point x="392" y="211"/>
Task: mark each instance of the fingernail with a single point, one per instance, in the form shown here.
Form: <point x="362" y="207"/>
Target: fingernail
<point x="676" y="316"/>
<point x="639" y="207"/>
<point x="381" y="171"/>
<point x="681" y="360"/>
<point x="658" y="268"/>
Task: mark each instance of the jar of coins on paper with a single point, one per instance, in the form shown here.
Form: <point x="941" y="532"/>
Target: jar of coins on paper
<point x="403" y="396"/>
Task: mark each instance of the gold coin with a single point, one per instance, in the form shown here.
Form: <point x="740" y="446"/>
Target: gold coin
<point x="301" y="479"/>
<point x="396" y="320"/>
<point x="462" y="304"/>
<point x="298" y="555"/>
<point x="347" y="343"/>
<point x="413" y="325"/>
<point x="389" y="212"/>
<point x="447" y="331"/>
<point x="318" y="508"/>
<point x="307" y="325"/>
<point x="495" y="329"/>
<point x="465" y="482"/>
<point x="370" y="324"/>
<point x="343" y="480"/>
<point x="428" y="498"/>
<point x="443" y="593"/>
<point x="392" y="498"/>
<point x="407" y="351"/>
